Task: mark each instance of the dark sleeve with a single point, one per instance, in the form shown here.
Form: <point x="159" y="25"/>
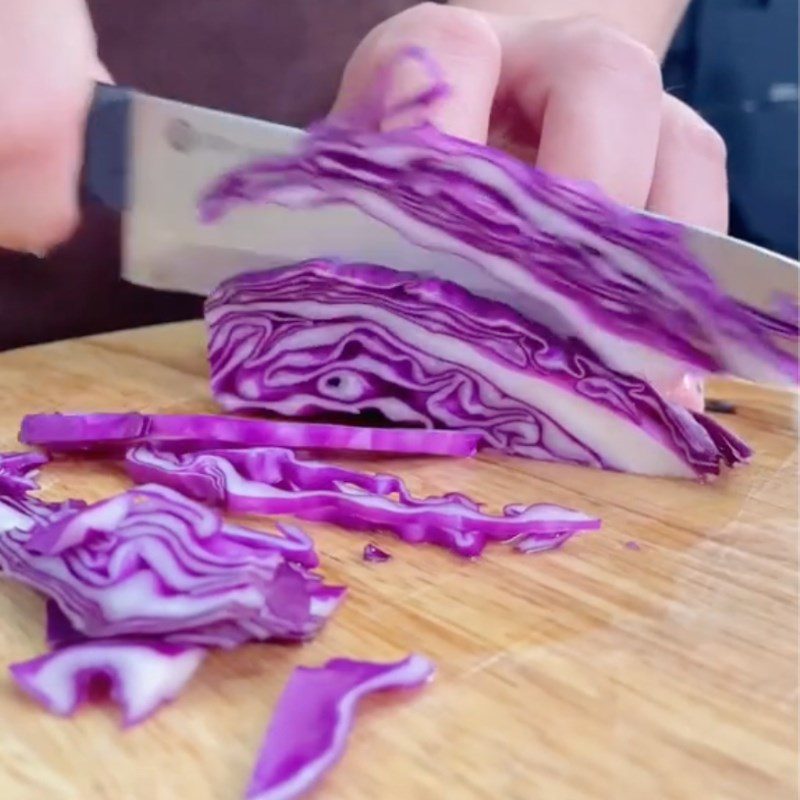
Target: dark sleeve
<point x="736" y="63"/>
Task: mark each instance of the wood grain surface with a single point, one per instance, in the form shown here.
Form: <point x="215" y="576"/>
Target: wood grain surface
<point x="656" y="671"/>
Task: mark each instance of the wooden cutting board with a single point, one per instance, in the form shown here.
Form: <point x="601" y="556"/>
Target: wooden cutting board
<point x="655" y="659"/>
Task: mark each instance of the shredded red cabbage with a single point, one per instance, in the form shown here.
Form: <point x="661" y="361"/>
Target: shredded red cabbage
<point x="19" y="511"/>
<point x="143" y="676"/>
<point x="65" y="432"/>
<point x="557" y="250"/>
<point x="18" y="471"/>
<point x="309" y="727"/>
<point x="151" y="562"/>
<point x="322" y="337"/>
<point x="274" y="481"/>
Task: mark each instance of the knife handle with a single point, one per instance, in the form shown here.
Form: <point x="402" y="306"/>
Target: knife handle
<point x="104" y="178"/>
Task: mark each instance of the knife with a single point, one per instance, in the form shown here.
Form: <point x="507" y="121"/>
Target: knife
<point x="151" y="158"/>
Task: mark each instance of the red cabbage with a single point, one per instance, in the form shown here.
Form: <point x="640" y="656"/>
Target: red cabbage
<point x="142" y="675"/>
<point x="65" y="432"/>
<point x="557" y="250"/>
<point x="273" y="481"/>
<point x="151" y="562"/>
<point x="19" y="511"/>
<point x="18" y="470"/>
<point x="322" y="337"/>
<point x="309" y="728"/>
<point x="374" y="554"/>
<point x="58" y="630"/>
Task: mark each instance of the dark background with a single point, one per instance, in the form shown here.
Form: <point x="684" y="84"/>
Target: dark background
<point x="735" y="61"/>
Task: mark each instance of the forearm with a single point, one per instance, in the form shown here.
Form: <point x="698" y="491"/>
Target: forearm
<point x="652" y="22"/>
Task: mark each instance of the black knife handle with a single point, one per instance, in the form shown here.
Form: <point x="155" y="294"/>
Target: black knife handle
<point x="104" y="178"/>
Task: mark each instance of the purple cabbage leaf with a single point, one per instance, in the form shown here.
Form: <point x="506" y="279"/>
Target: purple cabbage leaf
<point x="308" y="731"/>
<point x="114" y="432"/>
<point x="275" y="481"/>
<point x="142" y="676"/>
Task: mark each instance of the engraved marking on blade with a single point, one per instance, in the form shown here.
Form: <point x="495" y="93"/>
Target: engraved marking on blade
<point x="184" y="137"/>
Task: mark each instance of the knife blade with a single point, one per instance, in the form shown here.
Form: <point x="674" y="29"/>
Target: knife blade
<point x="151" y="158"/>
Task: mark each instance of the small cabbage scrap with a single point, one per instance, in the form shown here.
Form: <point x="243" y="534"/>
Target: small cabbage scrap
<point x="557" y="250"/>
<point x="69" y="432"/>
<point x="374" y="554"/>
<point x="151" y="562"/>
<point x="58" y="630"/>
<point x="143" y="676"/>
<point x="18" y="471"/>
<point x="273" y="481"/>
<point x="322" y="337"/>
<point x="309" y="728"/>
<point x="19" y="511"/>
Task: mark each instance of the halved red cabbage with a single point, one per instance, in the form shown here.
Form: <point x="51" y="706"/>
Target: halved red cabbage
<point x="273" y="481"/>
<point x="322" y="337"/>
<point x="310" y="725"/>
<point x="66" y="432"/>
<point x="557" y="250"/>
<point x="143" y="676"/>
<point x="151" y="562"/>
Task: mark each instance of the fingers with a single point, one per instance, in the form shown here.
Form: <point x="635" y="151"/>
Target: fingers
<point x="464" y="45"/>
<point x="47" y="54"/>
<point x="593" y="98"/>
<point x="590" y="98"/>
<point x="690" y="183"/>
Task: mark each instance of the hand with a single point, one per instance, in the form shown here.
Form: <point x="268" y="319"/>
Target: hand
<point x="576" y="97"/>
<point x="48" y="61"/>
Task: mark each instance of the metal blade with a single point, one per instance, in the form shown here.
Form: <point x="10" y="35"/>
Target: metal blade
<point x="745" y="271"/>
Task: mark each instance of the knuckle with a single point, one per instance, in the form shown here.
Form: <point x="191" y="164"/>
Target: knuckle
<point x="32" y="121"/>
<point x="708" y="141"/>
<point x="38" y="230"/>
<point x="599" y="46"/>
<point x="689" y="130"/>
<point x="22" y="127"/>
<point x="38" y="200"/>
<point x="48" y="227"/>
<point x="460" y="30"/>
<point x="58" y="225"/>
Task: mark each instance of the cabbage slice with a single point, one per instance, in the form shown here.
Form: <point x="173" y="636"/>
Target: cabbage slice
<point x="274" y="481"/>
<point x="114" y="432"/>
